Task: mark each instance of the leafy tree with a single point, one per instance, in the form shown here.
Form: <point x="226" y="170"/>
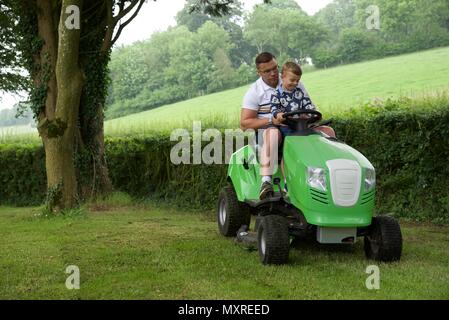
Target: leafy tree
<point x="288" y="31"/>
<point x="284" y="4"/>
<point x="354" y="45"/>
<point x="242" y="50"/>
<point x="337" y="16"/>
<point x="306" y="37"/>
<point x="410" y="25"/>
<point x="173" y="65"/>
<point x="405" y="26"/>
<point x="10" y="77"/>
<point x="8" y="117"/>
<point x="212" y="37"/>
<point x="224" y="76"/>
<point x="257" y="24"/>
<point x="129" y="70"/>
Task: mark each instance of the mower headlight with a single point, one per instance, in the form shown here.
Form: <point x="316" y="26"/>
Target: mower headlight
<point x="316" y="178"/>
<point x="370" y="179"/>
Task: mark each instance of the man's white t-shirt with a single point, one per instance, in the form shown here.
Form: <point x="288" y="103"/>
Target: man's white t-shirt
<point x="258" y="97"/>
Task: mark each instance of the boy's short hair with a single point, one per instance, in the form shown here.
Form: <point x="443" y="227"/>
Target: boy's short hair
<point x="264" y="57"/>
<point x="292" y="67"/>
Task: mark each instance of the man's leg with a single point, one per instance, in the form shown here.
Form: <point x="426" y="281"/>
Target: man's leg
<point x="268" y="160"/>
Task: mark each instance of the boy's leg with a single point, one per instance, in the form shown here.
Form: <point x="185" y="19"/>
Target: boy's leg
<point x="285" y="131"/>
<point x="268" y="160"/>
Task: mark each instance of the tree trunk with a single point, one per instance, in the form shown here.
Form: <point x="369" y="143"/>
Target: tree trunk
<point x="58" y="131"/>
<point x="92" y="171"/>
<point x="70" y="80"/>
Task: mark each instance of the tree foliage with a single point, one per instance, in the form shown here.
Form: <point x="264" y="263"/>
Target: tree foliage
<point x="10" y="77"/>
<point x="172" y="66"/>
<point x="405" y="26"/>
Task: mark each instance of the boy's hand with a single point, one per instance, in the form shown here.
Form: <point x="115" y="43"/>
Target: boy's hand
<point x="279" y="119"/>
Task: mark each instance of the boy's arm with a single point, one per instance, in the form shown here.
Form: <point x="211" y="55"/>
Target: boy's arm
<point x="275" y="104"/>
<point x="306" y="101"/>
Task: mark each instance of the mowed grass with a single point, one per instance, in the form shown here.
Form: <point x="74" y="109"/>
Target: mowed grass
<point x="154" y="252"/>
<point x="332" y="90"/>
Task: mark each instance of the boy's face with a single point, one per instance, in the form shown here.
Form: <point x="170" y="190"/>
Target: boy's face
<point x="290" y="80"/>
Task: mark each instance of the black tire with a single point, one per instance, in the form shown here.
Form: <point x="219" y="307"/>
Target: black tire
<point x="384" y="240"/>
<point x="273" y="240"/>
<point x="231" y="214"/>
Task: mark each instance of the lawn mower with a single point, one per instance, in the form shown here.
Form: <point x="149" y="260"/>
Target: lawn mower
<point x="330" y="197"/>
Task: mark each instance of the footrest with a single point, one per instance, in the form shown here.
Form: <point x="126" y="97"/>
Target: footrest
<point x="257" y="203"/>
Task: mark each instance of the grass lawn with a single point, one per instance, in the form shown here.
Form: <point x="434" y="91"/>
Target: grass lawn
<point x="154" y="252"/>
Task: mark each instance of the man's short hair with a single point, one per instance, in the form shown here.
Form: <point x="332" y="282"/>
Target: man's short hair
<point x="264" y="57"/>
<point x="292" y="67"/>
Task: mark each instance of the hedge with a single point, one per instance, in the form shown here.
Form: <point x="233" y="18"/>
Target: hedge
<point x="405" y="139"/>
<point x="22" y="174"/>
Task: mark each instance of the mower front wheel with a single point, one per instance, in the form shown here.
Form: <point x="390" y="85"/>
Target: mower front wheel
<point x="384" y="240"/>
<point x="273" y="240"/>
<point x="231" y="214"/>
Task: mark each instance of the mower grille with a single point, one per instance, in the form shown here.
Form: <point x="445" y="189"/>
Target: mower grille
<point x="319" y="196"/>
<point x="367" y="197"/>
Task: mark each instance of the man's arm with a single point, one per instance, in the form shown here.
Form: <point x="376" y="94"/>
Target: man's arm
<point x="249" y="120"/>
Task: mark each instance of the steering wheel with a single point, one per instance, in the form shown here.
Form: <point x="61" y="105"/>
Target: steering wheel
<point x="315" y="115"/>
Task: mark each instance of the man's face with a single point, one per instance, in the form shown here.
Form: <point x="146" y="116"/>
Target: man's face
<point x="269" y="72"/>
<point x="290" y="80"/>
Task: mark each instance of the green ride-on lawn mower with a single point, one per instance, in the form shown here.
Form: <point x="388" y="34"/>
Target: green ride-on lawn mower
<point x="330" y="198"/>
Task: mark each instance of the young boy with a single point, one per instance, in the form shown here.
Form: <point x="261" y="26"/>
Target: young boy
<point x="291" y="96"/>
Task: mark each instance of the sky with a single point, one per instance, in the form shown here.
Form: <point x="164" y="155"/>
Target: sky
<point x="158" y="16"/>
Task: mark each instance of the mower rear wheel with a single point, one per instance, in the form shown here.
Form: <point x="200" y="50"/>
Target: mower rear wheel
<point x="384" y="240"/>
<point x="231" y="214"/>
<point x="273" y="240"/>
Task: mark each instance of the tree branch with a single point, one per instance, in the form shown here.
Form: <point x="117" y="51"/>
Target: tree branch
<point x="122" y="26"/>
<point x="124" y="12"/>
<point x="109" y="28"/>
<point x="112" y="21"/>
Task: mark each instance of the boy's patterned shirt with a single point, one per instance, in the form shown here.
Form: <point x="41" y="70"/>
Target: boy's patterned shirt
<point x="288" y="101"/>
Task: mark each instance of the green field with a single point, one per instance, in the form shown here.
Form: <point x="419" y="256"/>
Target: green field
<point x="332" y="90"/>
<point x="148" y="251"/>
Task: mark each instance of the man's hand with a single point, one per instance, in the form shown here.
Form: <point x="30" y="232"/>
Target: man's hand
<point x="278" y="119"/>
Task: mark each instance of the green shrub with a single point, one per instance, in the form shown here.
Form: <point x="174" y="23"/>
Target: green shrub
<point x="22" y="174"/>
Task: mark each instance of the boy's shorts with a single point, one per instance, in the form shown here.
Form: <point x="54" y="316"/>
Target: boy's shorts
<point x="286" y="131"/>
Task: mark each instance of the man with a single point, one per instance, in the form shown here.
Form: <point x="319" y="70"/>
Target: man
<point x="256" y="114"/>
